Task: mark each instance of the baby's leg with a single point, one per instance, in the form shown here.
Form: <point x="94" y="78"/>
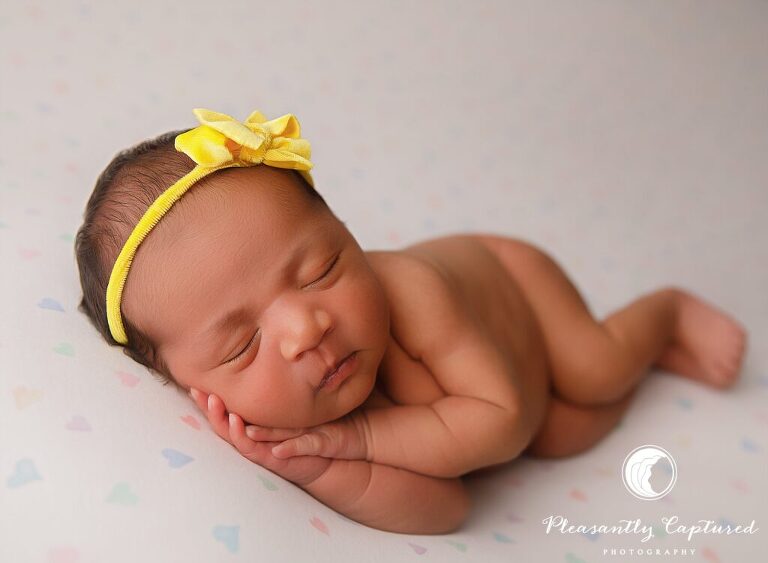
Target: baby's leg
<point x="597" y="363"/>
<point x="570" y="429"/>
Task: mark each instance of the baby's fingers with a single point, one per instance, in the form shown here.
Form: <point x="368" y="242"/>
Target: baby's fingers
<point x="238" y="437"/>
<point x="215" y="412"/>
<point x="267" y="434"/>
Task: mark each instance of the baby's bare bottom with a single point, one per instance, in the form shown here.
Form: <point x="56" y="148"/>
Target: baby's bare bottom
<point x="596" y="365"/>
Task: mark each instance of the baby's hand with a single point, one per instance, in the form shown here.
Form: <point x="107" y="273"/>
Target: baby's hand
<point x="300" y="470"/>
<point x="345" y="438"/>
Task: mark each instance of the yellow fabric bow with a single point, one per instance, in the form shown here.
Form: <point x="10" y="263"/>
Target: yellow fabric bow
<point x="221" y="139"/>
<point x="220" y="142"/>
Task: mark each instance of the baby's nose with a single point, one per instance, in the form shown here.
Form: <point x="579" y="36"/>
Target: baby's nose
<point x="305" y="332"/>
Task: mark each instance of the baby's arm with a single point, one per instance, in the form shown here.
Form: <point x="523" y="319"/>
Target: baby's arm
<point x="390" y="498"/>
<point x="379" y="496"/>
<point x="451" y="437"/>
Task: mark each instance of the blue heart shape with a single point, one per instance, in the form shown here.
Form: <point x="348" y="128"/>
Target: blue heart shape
<point x="25" y="472"/>
<point x="176" y="458"/>
<point x="228" y="535"/>
<point x="749" y="445"/>
<point x="50" y="303"/>
<point x="685" y="402"/>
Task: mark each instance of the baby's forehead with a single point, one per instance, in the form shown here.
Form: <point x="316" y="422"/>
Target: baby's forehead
<point x="240" y="199"/>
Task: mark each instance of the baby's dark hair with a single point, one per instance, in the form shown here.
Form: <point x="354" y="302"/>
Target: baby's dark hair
<point x="124" y="190"/>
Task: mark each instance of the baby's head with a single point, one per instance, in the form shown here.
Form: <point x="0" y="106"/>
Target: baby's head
<point x="249" y="287"/>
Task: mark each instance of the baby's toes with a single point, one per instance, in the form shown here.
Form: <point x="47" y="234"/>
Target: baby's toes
<point x="726" y="370"/>
<point x="737" y="345"/>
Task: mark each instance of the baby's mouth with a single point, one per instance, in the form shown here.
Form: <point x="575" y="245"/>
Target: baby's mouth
<point x="328" y="375"/>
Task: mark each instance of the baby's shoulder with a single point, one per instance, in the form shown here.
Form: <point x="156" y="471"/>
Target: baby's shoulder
<point x="423" y="303"/>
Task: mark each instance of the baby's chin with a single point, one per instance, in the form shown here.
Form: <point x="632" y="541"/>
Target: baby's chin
<point x="352" y="394"/>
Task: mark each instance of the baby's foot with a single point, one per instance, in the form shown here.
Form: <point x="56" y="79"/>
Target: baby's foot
<point x="708" y="344"/>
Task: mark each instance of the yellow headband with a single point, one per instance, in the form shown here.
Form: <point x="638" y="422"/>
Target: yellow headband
<point x="220" y="142"/>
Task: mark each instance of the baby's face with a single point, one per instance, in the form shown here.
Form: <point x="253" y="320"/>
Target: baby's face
<point x="298" y="286"/>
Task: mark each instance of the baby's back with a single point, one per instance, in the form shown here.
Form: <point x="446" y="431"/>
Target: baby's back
<point x="493" y="306"/>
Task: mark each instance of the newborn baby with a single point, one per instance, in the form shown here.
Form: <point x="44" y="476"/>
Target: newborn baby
<point x="373" y="379"/>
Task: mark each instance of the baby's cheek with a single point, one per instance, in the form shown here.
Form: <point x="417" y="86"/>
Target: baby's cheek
<point x="371" y="300"/>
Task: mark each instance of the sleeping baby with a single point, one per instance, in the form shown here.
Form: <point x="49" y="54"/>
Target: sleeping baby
<point x="374" y="380"/>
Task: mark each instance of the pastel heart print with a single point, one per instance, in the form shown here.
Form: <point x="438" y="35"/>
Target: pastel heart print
<point x="29" y="253"/>
<point x="571" y="558"/>
<point x="740" y="485"/>
<point x="176" y="458"/>
<point x="604" y="471"/>
<point x="78" y="423"/>
<point x="128" y="379"/>
<point x="24" y="472"/>
<point x="499" y="537"/>
<point x="749" y="445"/>
<point x="319" y="525"/>
<point x="684" y="440"/>
<point x="24" y="397"/>
<point x="578" y="495"/>
<point x="458" y="545"/>
<point x="122" y="494"/>
<point x="685" y="402"/>
<point x="50" y="303"/>
<point x="269" y="485"/>
<point x="65" y="349"/>
<point x="63" y="555"/>
<point x="229" y="536"/>
<point x="418" y="548"/>
<point x="192" y="421"/>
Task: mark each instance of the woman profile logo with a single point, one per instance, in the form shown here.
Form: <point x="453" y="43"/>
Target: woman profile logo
<point x="649" y="472"/>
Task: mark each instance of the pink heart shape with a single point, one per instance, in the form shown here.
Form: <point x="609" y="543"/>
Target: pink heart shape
<point x="319" y="524"/>
<point x="78" y="422"/>
<point x="28" y="253"/>
<point x="63" y="555"/>
<point x="128" y="379"/>
<point x="417" y="548"/>
<point x="191" y="421"/>
<point x="578" y="495"/>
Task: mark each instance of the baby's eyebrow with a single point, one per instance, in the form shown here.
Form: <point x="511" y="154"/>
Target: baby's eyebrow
<point x="230" y="320"/>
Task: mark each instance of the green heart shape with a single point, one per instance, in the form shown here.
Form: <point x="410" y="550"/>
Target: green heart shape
<point x="122" y="494"/>
<point x="65" y="349"/>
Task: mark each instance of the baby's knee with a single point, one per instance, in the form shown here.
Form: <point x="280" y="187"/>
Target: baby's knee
<point x="596" y="374"/>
